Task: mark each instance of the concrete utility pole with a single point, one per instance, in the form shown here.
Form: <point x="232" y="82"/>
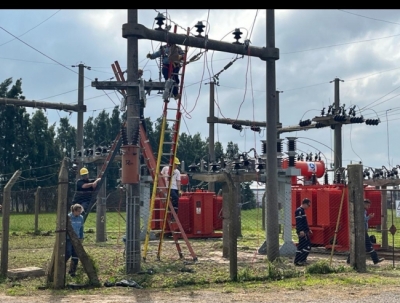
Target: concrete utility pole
<point x="338" y="131"/>
<point x="211" y="138"/>
<point x="133" y="253"/>
<point x="271" y="175"/>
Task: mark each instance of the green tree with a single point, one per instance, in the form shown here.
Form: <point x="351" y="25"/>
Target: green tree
<point x="115" y="124"/>
<point x="66" y="136"/>
<point x="14" y="131"/>
<point x="45" y="154"/>
<point x="102" y="128"/>
<point x="248" y="199"/>
<point x="232" y="150"/>
<point x="88" y="133"/>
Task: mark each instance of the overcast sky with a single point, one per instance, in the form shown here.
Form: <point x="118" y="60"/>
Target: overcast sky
<point x="360" y="47"/>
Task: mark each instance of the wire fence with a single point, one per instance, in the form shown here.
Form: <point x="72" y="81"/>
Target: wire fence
<point x="32" y="238"/>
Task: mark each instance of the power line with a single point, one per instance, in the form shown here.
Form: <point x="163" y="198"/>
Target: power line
<point x="38" y="50"/>
<point x="340" y="44"/>
<point x="347" y="12"/>
<point x="32" y="28"/>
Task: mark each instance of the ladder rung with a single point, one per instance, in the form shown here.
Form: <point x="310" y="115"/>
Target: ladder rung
<point x="172" y="120"/>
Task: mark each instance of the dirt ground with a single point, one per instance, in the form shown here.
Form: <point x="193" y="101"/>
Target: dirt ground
<point x="337" y="294"/>
<point x="262" y="293"/>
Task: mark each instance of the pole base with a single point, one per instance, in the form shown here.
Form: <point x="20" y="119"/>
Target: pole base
<point x="288" y="249"/>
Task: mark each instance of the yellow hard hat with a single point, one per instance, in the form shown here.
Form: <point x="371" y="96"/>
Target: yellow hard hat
<point x="83" y="171"/>
<point x="177" y="161"/>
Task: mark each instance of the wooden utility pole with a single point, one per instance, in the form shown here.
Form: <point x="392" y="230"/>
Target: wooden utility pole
<point x="356" y="214"/>
<point x="6" y="222"/>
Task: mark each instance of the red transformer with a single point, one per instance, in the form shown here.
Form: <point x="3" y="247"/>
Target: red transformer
<point x="199" y="212"/>
<point x="329" y="213"/>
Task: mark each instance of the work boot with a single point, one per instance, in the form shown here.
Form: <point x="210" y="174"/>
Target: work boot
<point x="379" y="260"/>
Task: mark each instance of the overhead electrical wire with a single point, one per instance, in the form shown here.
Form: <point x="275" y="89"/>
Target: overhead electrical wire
<point x="32" y="28"/>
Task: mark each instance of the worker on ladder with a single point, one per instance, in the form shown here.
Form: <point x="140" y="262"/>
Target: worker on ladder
<point x="171" y="53"/>
<point x="176" y="183"/>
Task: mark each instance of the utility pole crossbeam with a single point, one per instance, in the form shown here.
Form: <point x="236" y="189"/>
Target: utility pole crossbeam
<point x="141" y="32"/>
<point x="119" y="85"/>
<point x="45" y="105"/>
<point x="241" y="122"/>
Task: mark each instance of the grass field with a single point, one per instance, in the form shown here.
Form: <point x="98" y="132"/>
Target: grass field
<point x="29" y="249"/>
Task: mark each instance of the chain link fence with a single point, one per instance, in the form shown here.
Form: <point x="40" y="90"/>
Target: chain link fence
<point x="32" y="238"/>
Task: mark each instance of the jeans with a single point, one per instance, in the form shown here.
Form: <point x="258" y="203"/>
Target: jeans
<point x="175" y="70"/>
<point x="70" y="252"/>
<point x="175" y="199"/>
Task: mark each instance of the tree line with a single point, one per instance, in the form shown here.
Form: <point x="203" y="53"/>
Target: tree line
<point x="29" y="143"/>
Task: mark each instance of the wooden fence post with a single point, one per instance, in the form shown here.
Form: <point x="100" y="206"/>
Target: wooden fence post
<point x="356" y="213"/>
<point x="37" y="208"/>
<point x="6" y="222"/>
<point x="59" y="248"/>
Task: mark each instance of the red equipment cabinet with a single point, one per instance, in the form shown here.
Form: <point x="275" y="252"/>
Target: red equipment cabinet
<point x="217" y="213"/>
<point x="200" y="214"/>
<point x="329" y="201"/>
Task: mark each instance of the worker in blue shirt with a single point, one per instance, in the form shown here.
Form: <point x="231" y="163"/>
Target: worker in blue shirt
<point x="170" y="53"/>
<point x="303" y="231"/>
<point x="77" y="223"/>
